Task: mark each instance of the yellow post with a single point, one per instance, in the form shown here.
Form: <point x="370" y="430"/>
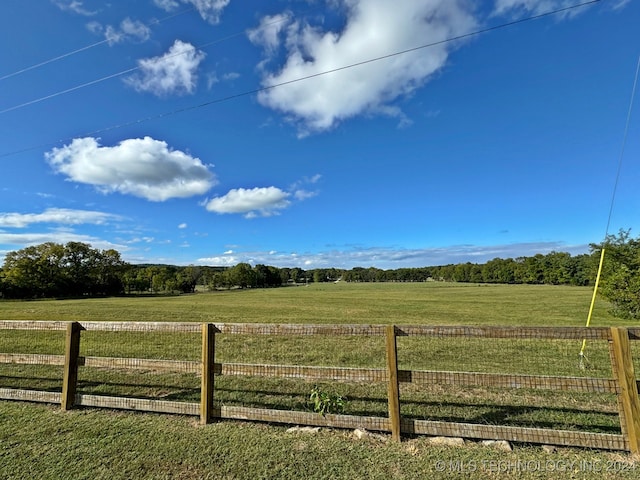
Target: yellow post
<point x="593" y="299"/>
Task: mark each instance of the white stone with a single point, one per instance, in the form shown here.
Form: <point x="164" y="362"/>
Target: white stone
<point x="448" y="441"/>
<point x="361" y="433"/>
<point x="499" y="444"/>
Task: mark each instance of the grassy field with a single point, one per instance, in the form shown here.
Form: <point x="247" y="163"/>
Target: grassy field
<point x="37" y="441"/>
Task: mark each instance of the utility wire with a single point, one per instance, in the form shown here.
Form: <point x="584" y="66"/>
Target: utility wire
<point x="129" y="70"/>
<point x="307" y="77"/>
<point x="622" y="149"/>
<point x="583" y="361"/>
<point x="82" y="49"/>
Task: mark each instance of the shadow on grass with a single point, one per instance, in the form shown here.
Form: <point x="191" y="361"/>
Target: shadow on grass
<point x="297" y="398"/>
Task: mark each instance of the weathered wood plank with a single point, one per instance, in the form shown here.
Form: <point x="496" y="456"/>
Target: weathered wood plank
<point x="177" y="366"/>
<point x="557" y="333"/>
<point x="303" y="418"/>
<point x="306" y="372"/>
<point x="31" y="359"/>
<point x="622" y="366"/>
<point x="168" y="327"/>
<point x="293" y="329"/>
<point x="515" y="434"/>
<point x="32" y="325"/>
<point x="138" y="404"/>
<point x="30" y="395"/>
<point x="537" y="382"/>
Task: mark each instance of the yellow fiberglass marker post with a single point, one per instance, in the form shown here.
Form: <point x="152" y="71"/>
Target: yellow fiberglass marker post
<point x="593" y="301"/>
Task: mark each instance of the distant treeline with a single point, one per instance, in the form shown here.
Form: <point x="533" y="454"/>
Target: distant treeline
<point x="555" y="268"/>
<point x="76" y="270"/>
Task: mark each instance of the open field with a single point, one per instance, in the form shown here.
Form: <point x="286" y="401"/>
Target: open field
<point x="234" y="450"/>
<point x="377" y="303"/>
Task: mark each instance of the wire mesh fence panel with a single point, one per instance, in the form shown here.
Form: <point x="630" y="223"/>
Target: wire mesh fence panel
<point x="31" y="359"/>
<point x="533" y="382"/>
<point x="141" y="364"/>
<point x="279" y="371"/>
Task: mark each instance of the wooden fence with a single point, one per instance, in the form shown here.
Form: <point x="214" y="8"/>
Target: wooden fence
<point x="622" y="383"/>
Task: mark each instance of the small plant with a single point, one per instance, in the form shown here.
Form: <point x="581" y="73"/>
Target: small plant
<point x="325" y="402"/>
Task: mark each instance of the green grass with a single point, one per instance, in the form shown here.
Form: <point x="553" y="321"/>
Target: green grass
<point x="382" y="303"/>
<point x="89" y="443"/>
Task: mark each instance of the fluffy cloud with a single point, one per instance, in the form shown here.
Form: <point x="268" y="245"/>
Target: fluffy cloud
<point x="267" y="34"/>
<point x="252" y="202"/>
<point x="60" y="216"/>
<point x="175" y="72"/>
<point x="27" y="239"/>
<point x="142" y="167"/>
<point x="132" y="30"/>
<point x="537" y="7"/>
<point x="390" y="258"/>
<point x="209" y="10"/>
<point x="74" y="6"/>
<point x="373" y="28"/>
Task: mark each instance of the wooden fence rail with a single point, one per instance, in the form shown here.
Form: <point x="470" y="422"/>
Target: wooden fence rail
<point x="623" y="381"/>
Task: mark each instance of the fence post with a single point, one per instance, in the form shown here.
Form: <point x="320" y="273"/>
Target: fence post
<point x="624" y="373"/>
<point x="393" y="386"/>
<point x="207" y="378"/>
<point x="70" y="376"/>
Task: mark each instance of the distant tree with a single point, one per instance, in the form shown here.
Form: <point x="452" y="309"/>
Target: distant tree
<point x="187" y="278"/>
<point x="52" y="270"/>
<point x="242" y="275"/>
<point x="620" y="282"/>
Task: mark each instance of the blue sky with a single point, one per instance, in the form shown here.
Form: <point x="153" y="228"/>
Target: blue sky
<point x="149" y="126"/>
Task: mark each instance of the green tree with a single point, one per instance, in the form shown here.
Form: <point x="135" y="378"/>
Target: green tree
<point x="242" y="275"/>
<point x="52" y="270"/>
<point x="620" y="281"/>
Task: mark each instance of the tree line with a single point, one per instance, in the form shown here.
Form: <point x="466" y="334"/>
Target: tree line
<point x="77" y="270"/>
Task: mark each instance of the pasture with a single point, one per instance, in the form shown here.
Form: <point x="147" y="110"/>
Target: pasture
<point x="159" y="446"/>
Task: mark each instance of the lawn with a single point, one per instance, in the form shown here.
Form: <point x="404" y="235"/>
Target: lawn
<point x="37" y="441"/>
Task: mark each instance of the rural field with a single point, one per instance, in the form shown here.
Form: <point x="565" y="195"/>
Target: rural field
<point x="40" y="441"/>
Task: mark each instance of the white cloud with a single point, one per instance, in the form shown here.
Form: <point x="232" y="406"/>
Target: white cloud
<point x="392" y="258"/>
<point x="517" y="8"/>
<point x="220" y="261"/>
<point x="182" y="226"/>
<point x="142" y="167"/>
<point x="209" y="10"/>
<point x="620" y="4"/>
<point x="267" y="34"/>
<point x="167" y="5"/>
<point x="36" y="238"/>
<point x="304" y="194"/>
<point x="74" y="6"/>
<point x="265" y="202"/>
<point x="61" y="216"/>
<point x="373" y="28"/>
<point x="175" y="72"/>
<point x="130" y="30"/>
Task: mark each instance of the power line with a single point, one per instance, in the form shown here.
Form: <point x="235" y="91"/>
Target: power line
<point x="307" y="77"/>
<point x="583" y="361"/>
<point x="82" y="49"/>
<point x="622" y="149"/>
<point x="124" y="72"/>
